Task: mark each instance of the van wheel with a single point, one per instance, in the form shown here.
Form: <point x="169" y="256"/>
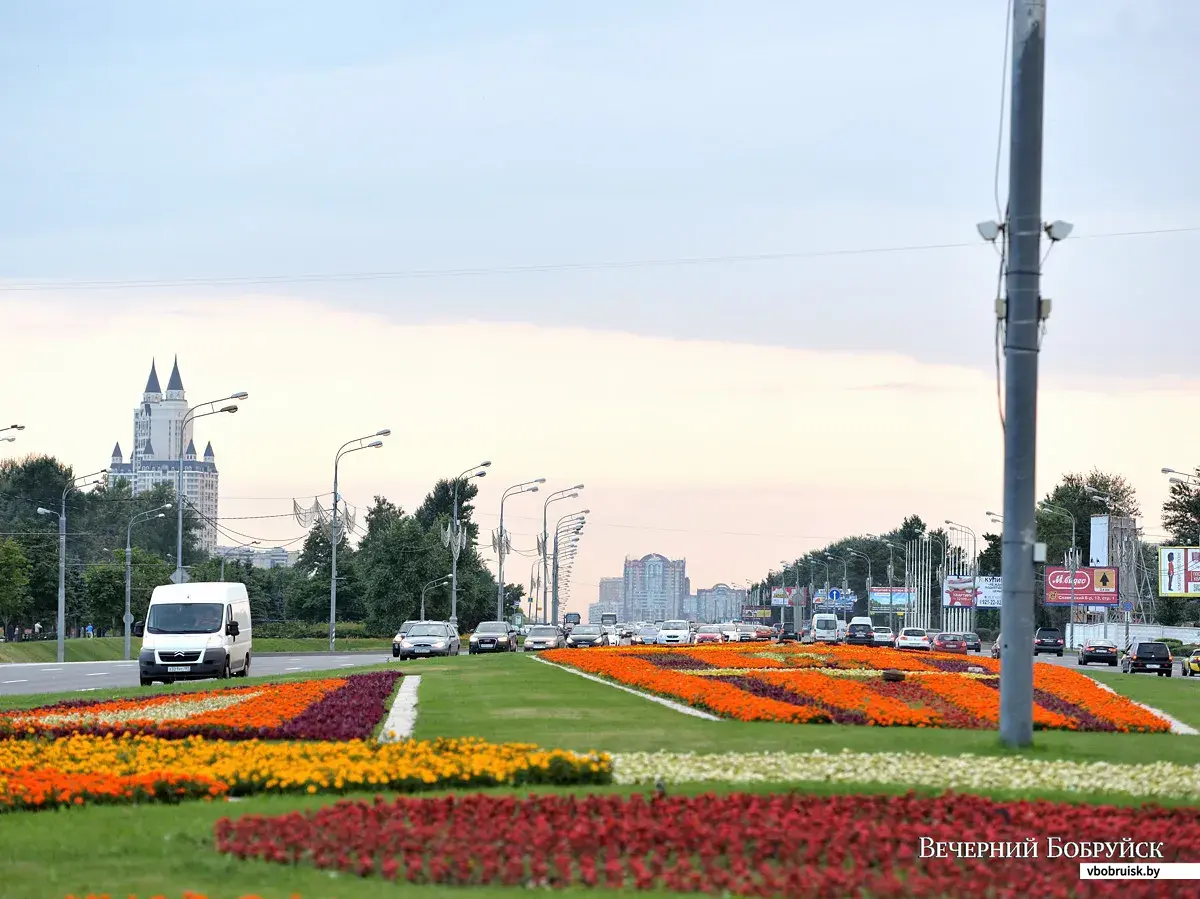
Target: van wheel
<point x="225" y="671"/>
<point x="147" y="681"/>
<point x="245" y="672"/>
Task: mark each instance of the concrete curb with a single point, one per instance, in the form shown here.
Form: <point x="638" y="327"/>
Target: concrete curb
<point x="674" y="706"/>
<point x="403" y="715"/>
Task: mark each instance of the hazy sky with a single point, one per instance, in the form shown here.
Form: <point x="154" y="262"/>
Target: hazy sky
<point x="505" y="161"/>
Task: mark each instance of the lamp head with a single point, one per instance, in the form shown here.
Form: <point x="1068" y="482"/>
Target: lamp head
<point x="375" y="444"/>
<point x="1059" y="230"/>
<point x="384" y="432"/>
<point x="42" y="511"/>
<point x="240" y="395"/>
<point x="573" y="496"/>
<point x="7" y="439"/>
<point x="230" y="408"/>
<point x="532" y="490"/>
<point x="989" y="231"/>
<point x="17" y="427"/>
<point x="485" y="464"/>
<point x="479" y="474"/>
<point x="166" y="506"/>
<point x="1169" y="471"/>
<point x="540" y="481"/>
<point x="161" y="515"/>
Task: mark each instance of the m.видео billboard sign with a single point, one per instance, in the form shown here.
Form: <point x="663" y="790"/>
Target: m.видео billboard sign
<point x="1093" y="586"/>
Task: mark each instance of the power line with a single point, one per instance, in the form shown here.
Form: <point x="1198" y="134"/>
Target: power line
<point x="667" y="262"/>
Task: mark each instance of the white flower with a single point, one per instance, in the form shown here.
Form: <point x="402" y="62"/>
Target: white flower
<point x="912" y="769"/>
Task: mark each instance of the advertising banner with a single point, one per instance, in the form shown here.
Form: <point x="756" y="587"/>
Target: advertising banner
<point x="1178" y="570"/>
<point x="782" y="596"/>
<point x="889" y="596"/>
<point x="956" y="592"/>
<point x="1093" y="586"/>
<point x="1099" y="548"/>
<point x="835" y="600"/>
<point x="756" y="612"/>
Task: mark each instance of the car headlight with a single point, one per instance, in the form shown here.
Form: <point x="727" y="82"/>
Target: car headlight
<point x="502" y="639"/>
<point x="474" y="639"/>
<point x="440" y="644"/>
<point x="406" y="643"/>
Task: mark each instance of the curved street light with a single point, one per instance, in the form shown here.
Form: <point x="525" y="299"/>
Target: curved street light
<point x="453" y="538"/>
<point x="524" y="487"/>
<point x="568" y="493"/>
<point x="344" y="450"/>
<point x="575" y="519"/>
<point x="188" y="417"/>
<point x="436" y="582"/>
<point x="157" y="512"/>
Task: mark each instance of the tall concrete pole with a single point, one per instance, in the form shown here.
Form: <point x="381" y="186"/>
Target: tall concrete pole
<point x="1022" y="317"/>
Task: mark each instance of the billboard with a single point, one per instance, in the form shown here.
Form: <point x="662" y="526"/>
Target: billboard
<point x="889" y="596"/>
<point x="956" y="592"/>
<point x="1093" y="586"/>
<point x="1099" y="548"/>
<point x="834" y="600"/>
<point x="782" y="596"/>
<point x="1178" y="570"/>
<point x="755" y="612"/>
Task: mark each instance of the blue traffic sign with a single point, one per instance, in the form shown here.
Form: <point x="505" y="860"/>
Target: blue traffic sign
<point x="835" y="595"/>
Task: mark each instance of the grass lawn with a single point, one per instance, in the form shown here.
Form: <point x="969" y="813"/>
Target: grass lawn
<point x="110" y="649"/>
<point x="514" y="698"/>
<point x="1178" y="696"/>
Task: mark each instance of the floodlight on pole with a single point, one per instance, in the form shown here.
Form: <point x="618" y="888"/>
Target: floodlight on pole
<point x="334" y="534"/>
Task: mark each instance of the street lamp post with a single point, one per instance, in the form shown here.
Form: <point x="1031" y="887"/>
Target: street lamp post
<point x="334" y="536"/>
<point x="251" y="543"/>
<point x="870" y="576"/>
<point x="452" y="537"/>
<point x="62" y="557"/>
<point x="575" y="519"/>
<point x="526" y="487"/>
<point x="189" y="417"/>
<point x="1074" y="564"/>
<point x="436" y="582"/>
<point x="159" y="512"/>
<point x="845" y="574"/>
<point x="568" y="493"/>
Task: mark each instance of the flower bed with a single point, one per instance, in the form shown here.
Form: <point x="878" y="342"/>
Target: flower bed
<point x="245" y="767"/>
<point x="744" y="845"/>
<point x="33" y="789"/>
<point x="344" y="708"/>
<point x="819" y="684"/>
<point x="984" y="773"/>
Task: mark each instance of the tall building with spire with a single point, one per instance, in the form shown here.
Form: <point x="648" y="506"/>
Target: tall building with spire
<point x="159" y="435"/>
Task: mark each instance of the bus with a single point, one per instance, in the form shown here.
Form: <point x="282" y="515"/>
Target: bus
<point x="570" y="620"/>
<point x="608" y="620"/>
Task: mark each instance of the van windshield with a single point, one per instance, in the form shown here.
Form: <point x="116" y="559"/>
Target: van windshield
<point x="185" y="618"/>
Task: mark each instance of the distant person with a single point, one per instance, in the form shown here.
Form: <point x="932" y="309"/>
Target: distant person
<point x="1170" y="572"/>
<point x="37" y="628"/>
<point x="90" y="632"/>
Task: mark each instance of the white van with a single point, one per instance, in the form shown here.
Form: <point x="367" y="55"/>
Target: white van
<point x="194" y="631"/>
<point x="825" y="628"/>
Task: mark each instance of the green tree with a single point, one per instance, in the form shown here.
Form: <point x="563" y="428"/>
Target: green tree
<point x="14" y="584"/>
<point x="1181" y="515"/>
<point x="990" y="556"/>
<point x="105" y="586"/>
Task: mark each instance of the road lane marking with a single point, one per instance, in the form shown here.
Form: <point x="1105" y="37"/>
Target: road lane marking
<point x="48" y="670"/>
<point x="99" y="674"/>
<point x="292" y="669"/>
<point x="14" y="682"/>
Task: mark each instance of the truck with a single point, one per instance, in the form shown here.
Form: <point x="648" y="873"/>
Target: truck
<point x="570" y="620"/>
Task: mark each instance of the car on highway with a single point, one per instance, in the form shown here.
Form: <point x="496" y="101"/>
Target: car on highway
<point x="708" y="633"/>
<point x="674" y="633"/>
<point x="427" y="638"/>
<point x="746" y="633"/>
<point x="948" y="642"/>
<point x="544" y="636"/>
<point x="583" y="636"/>
<point x="912" y="638"/>
<point x="492" y="636"/>
<point x="1048" y="639"/>
<point x="883" y="636"/>
<point x="729" y="630"/>
<point x="974" y="644"/>
<point x="860" y="632"/>
<point x="825" y="628"/>
<point x="645" y="635"/>
<point x="1099" y="651"/>
<point x="1149" y="656"/>
<point x="996" y="647"/>
<point x="1189" y="666"/>
<point x="195" y="631"/>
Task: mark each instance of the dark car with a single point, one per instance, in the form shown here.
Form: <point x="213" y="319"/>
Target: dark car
<point x="427" y="639"/>
<point x="860" y="635"/>
<point x="584" y="635"/>
<point x="946" y="642"/>
<point x="1048" y="639"/>
<point x="1148" y="656"/>
<point x="973" y="642"/>
<point x="1099" y="651"/>
<point x="493" y="636"/>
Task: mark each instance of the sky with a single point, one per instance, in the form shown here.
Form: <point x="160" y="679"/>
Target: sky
<point x="717" y="261"/>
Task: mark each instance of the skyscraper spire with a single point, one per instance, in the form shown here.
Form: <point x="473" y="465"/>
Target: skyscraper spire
<point x="152" y="385"/>
<point x="175" y="382"/>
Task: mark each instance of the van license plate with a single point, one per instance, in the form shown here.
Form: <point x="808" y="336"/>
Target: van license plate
<point x="179" y="669"/>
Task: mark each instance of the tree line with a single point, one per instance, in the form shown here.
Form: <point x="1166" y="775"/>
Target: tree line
<point x="379" y="579"/>
<point x="1079" y="495"/>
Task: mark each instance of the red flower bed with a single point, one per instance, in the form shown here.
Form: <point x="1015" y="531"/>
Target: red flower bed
<point x="743" y="845"/>
<point x="346" y="708"/>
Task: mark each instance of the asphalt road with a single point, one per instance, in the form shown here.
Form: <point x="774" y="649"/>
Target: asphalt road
<point x="49" y="677"/>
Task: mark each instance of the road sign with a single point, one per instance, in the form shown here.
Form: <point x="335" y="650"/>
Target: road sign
<point x="1127" y="605"/>
<point x="1104" y="580"/>
<point x="128" y="618"/>
<point x="179" y="577"/>
<point x="835" y="595"/>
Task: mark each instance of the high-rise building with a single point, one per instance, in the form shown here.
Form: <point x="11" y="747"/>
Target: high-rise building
<point x="611" y="599"/>
<point x="720" y="603"/>
<point x="654" y="588"/>
<point x="158" y="436"/>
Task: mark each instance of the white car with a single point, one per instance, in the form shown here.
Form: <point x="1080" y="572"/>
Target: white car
<point x="884" y="637"/>
<point x="674" y="633"/>
<point x="730" y="631"/>
<point x="912" y="638"/>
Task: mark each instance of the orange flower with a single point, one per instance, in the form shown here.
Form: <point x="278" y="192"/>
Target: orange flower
<point x="38" y="789"/>
<point x="853" y="696"/>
